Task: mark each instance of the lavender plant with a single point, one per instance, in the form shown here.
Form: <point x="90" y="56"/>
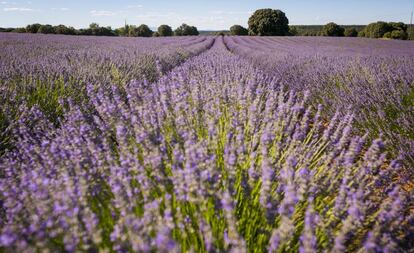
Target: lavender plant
<point x="373" y="78"/>
<point x="43" y="69"/>
<point x="215" y="156"/>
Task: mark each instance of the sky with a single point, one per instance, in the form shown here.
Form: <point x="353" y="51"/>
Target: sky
<point x="205" y="15"/>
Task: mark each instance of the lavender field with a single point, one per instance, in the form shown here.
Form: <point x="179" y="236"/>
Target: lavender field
<point x="206" y="144"/>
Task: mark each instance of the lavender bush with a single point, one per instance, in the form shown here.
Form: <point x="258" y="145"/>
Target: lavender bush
<point x="213" y="157"/>
<point x="42" y="69"/>
<point x="373" y="78"/>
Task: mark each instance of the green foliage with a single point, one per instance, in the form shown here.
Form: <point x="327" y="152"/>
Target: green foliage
<point x="123" y="31"/>
<point x="140" y="31"/>
<point x="316" y="30"/>
<point x="350" y="32"/>
<point x="132" y="31"/>
<point x="392" y="30"/>
<point x="62" y="29"/>
<point x="400" y="26"/>
<point x="19" y="30"/>
<point x="165" y="30"/>
<point x="361" y="34"/>
<point x="238" y="30"/>
<point x="102" y="31"/>
<point x="45" y="94"/>
<point x="373" y="30"/>
<point x="221" y="33"/>
<point x="410" y="33"/>
<point x="33" y="28"/>
<point x="7" y="30"/>
<point x="399" y="35"/>
<point x="377" y="30"/>
<point x="293" y="31"/>
<point x="268" y="22"/>
<point x="96" y="30"/>
<point x="333" y="30"/>
<point x="93" y="26"/>
<point x="186" y="30"/>
<point x="144" y="31"/>
<point x="387" y="35"/>
<point x="4" y="134"/>
<point x="46" y="29"/>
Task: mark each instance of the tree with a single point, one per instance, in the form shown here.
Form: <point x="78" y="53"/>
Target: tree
<point x="377" y="30"/>
<point x="62" y="29"/>
<point x="165" y="30"/>
<point x="6" y="30"/>
<point x="238" y="30"/>
<point x="155" y="34"/>
<point x="123" y="31"/>
<point x="33" y="28"/>
<point x="387" y="35"/>
<point x="96" y="30"/>
<point x="400" y="26"/>
<point x="410" y="32"/>
<point x="132" y="31"/>
<point x="399" y="35"/>
<point x="268" y="22"/>
<point x="293" y="31"/>
<point x="392" y="30"/>
<point x="361" y="33"/>
<point x="186" y="30"/>
<point x="93" y="26"/>
<point x="105" y="31"/>
<point x="84" y="32"/>
<point x="143" y="31"/>
<point x="351" y="32"/>
<point x="20" y="30"/>
<point x="332" y="29"/>
<point x="194" y="31"/>
<point x="46" y="29"/>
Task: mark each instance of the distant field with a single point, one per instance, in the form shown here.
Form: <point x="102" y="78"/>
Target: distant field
<point x="206" y="144"/>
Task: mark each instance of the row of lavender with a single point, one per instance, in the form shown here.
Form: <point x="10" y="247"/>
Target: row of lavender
<point x="92" y="58"/>
<point x="213" y="157"/>
<point x="40" y="70"/>
<point x="372" y="78"/>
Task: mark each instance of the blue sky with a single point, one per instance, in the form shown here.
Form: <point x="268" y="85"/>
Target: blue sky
<point x="211" y="14"/>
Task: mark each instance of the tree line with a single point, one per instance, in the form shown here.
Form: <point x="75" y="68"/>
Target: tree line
<point x="97" y="30"/>
<point x="263" y="22"/>
<point x="268" y="22"/>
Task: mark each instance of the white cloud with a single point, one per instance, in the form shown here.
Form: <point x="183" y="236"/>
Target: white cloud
<point x="17" y="9"/>
<point x="96" y="13"/>
<point x="8" y="3"/>
<point x="60" y="9"/>
<point x="135" y="6"/>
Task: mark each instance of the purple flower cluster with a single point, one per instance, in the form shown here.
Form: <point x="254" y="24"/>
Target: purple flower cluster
<point x="214" y="156"/>
<point x="373" y="78"/>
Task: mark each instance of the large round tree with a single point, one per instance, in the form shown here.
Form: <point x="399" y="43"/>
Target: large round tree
<point x="165" y="30"/>
<point x="186" y="30"/>
<point x="143" y="31"/>
<point x="238" y="30"/>
<point x="268" y="22"/>
<point x="332" y="29"/>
